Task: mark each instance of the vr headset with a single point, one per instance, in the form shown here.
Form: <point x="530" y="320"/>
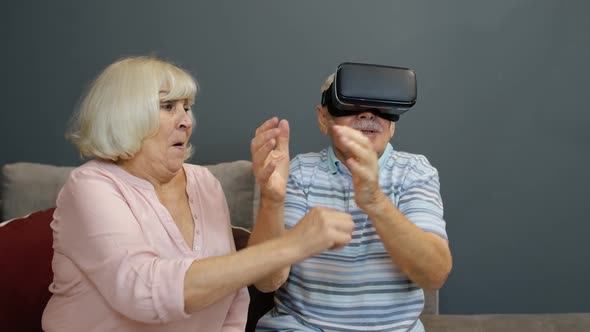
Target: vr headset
<point x="385" y="91"/>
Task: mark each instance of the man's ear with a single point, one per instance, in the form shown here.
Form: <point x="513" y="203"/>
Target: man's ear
<point x="323" y="119"/>
<point x="391" y="129"/>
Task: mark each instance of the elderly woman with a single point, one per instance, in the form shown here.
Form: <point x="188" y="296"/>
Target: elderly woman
<point x="142" y="240"/>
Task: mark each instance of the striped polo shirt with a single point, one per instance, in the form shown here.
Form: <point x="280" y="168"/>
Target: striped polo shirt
<point x="357" y="287"/>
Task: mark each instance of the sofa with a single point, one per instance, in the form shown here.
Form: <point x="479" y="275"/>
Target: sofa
<point x="27" y="199"/>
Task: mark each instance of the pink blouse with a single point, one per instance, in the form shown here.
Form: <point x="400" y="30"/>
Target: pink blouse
<point x="119" y="259"/>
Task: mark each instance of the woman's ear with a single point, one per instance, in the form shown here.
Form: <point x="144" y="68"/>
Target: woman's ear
<point x="323" y="120"/>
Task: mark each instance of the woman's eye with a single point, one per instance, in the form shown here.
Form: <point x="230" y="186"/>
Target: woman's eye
<point x="167" y="106"/>
<point x="187" y="108"/>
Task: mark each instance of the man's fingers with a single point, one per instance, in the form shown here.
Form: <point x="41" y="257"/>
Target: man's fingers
<point x="269" y="130"/>
<point x="357" y="170"/>
<point x="265" y="172"/>
<point x="353" y="135"/>
<point x="259" y="157"/>
<point x="262" y="138"/>
<point x="267" y="139"/>
<point x="270" y="123"/>
<point x="283" y="137"/>
<point x="353" y="149"/>
<point x="353" y="165"/>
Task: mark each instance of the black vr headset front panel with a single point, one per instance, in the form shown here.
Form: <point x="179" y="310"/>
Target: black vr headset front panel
<point x="360" y="87"/>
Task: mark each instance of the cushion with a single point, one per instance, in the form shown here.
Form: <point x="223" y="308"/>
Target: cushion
<point x="238" y="186"/>
<point x="29" y="187"/>
<point x="25" y="261"/>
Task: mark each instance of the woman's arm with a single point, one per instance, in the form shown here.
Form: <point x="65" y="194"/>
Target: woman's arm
<point x="210" y="279"/>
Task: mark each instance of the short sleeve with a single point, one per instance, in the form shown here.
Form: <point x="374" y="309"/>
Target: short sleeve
<point x="420" y="200"/>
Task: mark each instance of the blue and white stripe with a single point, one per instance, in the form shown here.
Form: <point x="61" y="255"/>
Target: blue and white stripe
<point x="357" y="287"/>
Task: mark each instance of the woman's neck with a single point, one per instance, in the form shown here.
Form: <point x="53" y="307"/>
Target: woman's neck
<point x="160" y="179"/>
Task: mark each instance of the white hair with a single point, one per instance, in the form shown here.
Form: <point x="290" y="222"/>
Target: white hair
<point x="327" y="83"/>
<point x="121" y="107"/>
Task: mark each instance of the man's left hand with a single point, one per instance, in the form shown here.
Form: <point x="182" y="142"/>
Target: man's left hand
<point x="361" y="160"/>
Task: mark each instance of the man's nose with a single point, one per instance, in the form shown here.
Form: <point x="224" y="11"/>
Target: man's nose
<point x="366" y="115"/>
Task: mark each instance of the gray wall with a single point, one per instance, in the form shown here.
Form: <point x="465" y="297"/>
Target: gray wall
<point x="502" y="109"/>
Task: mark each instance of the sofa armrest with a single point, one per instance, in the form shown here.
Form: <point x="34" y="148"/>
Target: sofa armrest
<point x="260" y="303"/>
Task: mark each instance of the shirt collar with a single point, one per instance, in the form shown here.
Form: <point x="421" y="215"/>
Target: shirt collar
<point x="334" y="163"/>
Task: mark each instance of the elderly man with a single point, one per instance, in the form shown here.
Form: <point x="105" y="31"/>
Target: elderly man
<point x="398" y="246"/>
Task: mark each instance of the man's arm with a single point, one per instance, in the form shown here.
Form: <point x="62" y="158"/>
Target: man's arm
<point x="423" y="256"/>
<point x="270" y="165"/>
<point x="269" y="225"/>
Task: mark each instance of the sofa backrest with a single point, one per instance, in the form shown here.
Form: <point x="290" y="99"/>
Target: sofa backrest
<point x="30" y="187"/>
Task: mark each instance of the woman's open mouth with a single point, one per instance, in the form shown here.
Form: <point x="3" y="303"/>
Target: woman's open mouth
<point x="179" y="145"/>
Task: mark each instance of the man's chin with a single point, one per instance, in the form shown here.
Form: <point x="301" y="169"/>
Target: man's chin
<point x="371" y="135"/>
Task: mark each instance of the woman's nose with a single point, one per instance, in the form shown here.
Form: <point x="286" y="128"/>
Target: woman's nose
<point x="186" y="121"/>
